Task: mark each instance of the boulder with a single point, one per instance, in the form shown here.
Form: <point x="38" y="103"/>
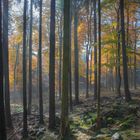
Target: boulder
<point x="116" y="136"/>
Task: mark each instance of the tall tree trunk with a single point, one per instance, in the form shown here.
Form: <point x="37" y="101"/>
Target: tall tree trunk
<point x="30" y="60"/>
<point x="65" y="88"/>
<point x="99" y="67"/>
<point x="135" y="59"/>
<point x="52" y="68"/>
<point x="95" y="51"/>
<point x="76" y="54"/>
<point x="87" y="71"/>
<point x="2" y="109"/>
<point x="6" y="66"/>
<point x="25" y="131"/>
<point x="60" y="55"/>
<point x="90" y="40"/>
<point x="70" y="67"/>
<point x="118" y="79"/>
<point x="15" y="67"/>
<point x="87" y="56"/>
<point x="125" y="68"/>
<point x="40" y="66"/>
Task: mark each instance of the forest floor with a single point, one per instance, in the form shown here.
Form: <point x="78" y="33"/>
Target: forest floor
<point x="119" y="119"/>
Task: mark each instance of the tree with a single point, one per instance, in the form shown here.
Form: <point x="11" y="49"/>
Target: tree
<point x="76" y="53"/>
<point x="52" y="68"/>
<point x="65" y="82"/>
<point x="87" y="54"/>
<point x="30" y="60"/>
<point x="6" y="66"/>
<point x="60" y="55"/>
<point x="135" y="58"/>
<point x="2" y="109"/>
<point x="25" y="131"/>
<point x="125" y="68"/>
<point x="118" y="78"/>
<point x="60" y="34"/>
<point x="95" y="50"/>
<point x="70" y="63"/>
<point x="40" y="65"/>
<point x="99" y="66"/>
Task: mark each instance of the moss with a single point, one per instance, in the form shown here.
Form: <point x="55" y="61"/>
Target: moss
<point x="127" y="122"/>
<point x="85" y="121"/>
<point x="130" y="135"/>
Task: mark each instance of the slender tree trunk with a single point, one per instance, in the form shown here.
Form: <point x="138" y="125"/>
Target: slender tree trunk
<point x="95" y="51"/>
<point x="70" y="67"/>
<point x="87" y="71"/>
<point x="91" y="61"/>
<point x="99" y="67"/>
<point x="40" y="67"/>
<point x="52" y="68"/>
<point x="125" y="68"/>
<point x="6" y="66"/>
<point x="60" y="56"/>
<point x="76" y="53"/>
<point x="2" y="109"/>
<point x="65" y="88"/>
<point x="25" y="131"/>
<point x="30" y="60"/>
<point x="90" y="40"/>
<point x="135" y="59"/>
<point x="15" y="67"/>
<point x="131" y="74"/>
<point x="118" y="80"/>
<point x="87" y="57"/>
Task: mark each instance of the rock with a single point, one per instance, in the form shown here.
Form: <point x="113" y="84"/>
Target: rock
<point x="101" y="137"/>
<point x="105" y="131"/>
<point x="116" y="136"/>
<point x="39" y="133"/>
<point x="42" y="129"/>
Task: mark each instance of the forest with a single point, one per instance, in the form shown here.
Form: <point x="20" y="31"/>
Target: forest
<point x="69" y="69"/>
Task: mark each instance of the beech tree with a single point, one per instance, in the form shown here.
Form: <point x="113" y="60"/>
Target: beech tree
<point x="124" y="55"/>
<point x="30" y="60"/>
<point x="6" y="66"/>
<point x="25" y="132"/>
<point x="95" y="50"/>
<point x="76" y="53"/>
<point x="99" y="67"/>
<point x="2" y="109"/>
<point x="65" y="82"/>
<point x="40" y="65"/>
<point x="52" y="68"/>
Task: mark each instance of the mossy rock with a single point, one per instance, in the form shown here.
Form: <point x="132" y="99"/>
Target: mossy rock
<point x="101" y="137"/>
<point x="128" y="122"/>
<point x="105" y="131"/>
<point x="130" y="135"/>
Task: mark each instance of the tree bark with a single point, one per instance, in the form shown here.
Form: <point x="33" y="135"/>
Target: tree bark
<point x="118" y="78"/>
<point x="60" y="55"/>
<point x="125" y="67"/>
<point x="25" y="131"/>
<point x="65" y="82"/>
<point x="30" y="61"/>
<point x="135" y="59"/>
<point x="41" y="121"/>
<point x="70" y="63"/>
<point x="15" y="67"/>
<point x="6" y="66"/>
<point x="95" y="51"/>
<point x="3" y="135"/>
<point x="52" y="68"/>
<point x="76" y="54"/>
<point x="99" y="67"/>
